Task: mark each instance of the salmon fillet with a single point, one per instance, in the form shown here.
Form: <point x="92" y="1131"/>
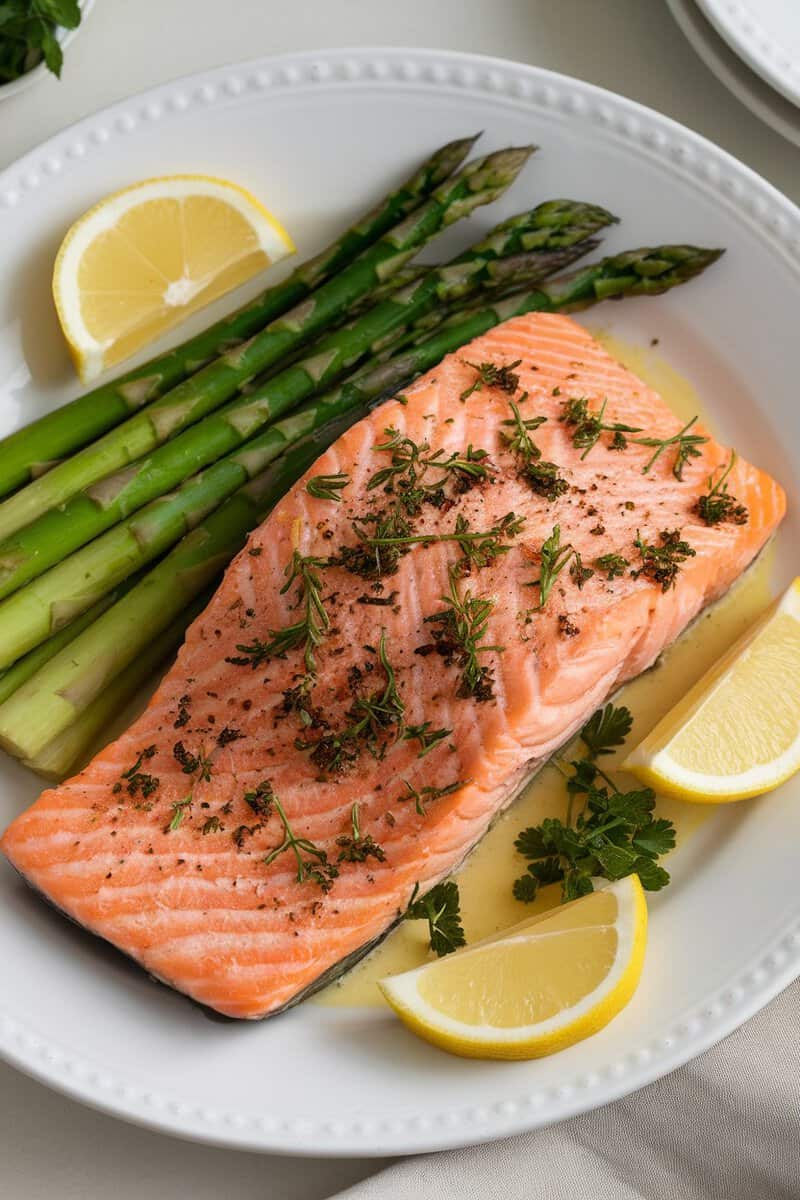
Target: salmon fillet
<point x="168" y="843"/>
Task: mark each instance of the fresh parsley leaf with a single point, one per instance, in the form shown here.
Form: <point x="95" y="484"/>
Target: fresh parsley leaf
<point x="606" y="729"/>
<point x="441" y="908"/>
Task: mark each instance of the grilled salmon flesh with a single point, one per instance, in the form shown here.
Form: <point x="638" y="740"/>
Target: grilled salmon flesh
<point x="392" y="654"/>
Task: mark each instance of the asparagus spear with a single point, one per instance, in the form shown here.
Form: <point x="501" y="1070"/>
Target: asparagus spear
<point x="61" y="690"/>
<point x="25" y="454"/>
<point x="478" y="183"/>
<point x="68" y="753"/>
<point x="27" y="666"/>
<point x="30" y="615"/>
<point x="56" y="533"/>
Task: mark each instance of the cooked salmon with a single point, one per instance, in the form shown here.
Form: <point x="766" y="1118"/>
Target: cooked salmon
<point x="268" y="817"/>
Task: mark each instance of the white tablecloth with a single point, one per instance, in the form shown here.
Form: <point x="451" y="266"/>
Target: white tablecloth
<point x="726" y="1126"/>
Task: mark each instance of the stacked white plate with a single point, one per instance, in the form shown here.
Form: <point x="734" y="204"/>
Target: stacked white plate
<point x="753" y="47"/>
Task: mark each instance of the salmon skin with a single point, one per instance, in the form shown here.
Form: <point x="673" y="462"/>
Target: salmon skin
<point x="268" y="817"/>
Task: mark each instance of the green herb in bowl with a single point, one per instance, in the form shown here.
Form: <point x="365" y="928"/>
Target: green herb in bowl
<point x="28" y="35"/>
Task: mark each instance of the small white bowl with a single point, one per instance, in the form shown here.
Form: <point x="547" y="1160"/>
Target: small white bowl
<point x="65" y="36"/>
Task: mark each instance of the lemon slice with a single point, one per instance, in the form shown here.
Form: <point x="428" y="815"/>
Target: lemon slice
<point x="144" y="258"/>
<point x="737" y="732"/>
<point x="536" y="988"/>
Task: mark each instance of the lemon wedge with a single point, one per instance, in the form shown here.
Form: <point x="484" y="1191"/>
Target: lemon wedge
<point x="143" y="259"/>
<point x="535" y="988"/>
<point x="737" y="732"/>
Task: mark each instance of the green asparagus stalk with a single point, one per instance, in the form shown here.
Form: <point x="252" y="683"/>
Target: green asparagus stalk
<point x="31" y="615"/>
<point x="50" y="539"/>
<point x="28" y="453"/>
<point x="25" y="667"/>
<point x="70" y="751"/>
<point x="115" y="639"/>
<point x="60" y="691"/>
<point x="478" y="183"/>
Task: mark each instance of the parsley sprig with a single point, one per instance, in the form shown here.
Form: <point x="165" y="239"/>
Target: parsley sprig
<point x="615" y="834"/>
<point x="685" y="442"/>
<point x="441" y="908"/>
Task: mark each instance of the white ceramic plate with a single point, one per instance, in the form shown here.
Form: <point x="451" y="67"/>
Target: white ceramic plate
<point x="65" y="36"/>
<point x="766" y="34"/>
<point x="319" y="135"/>
<point x="748" y="87"/>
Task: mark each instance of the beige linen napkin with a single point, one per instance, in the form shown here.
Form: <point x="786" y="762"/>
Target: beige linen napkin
<point x="724" y="1127"/>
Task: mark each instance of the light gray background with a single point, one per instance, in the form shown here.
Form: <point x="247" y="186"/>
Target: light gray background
<point x="49" y="1146"/>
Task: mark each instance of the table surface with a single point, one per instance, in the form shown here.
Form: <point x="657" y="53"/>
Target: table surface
<point x="49" y="1145"/>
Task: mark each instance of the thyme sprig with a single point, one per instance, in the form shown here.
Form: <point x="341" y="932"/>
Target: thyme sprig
<point x="460" y="630"/>
<point x="328" y="487"/>
<point x="426" y="795"/>
<point x="661" y="564"/>
<point x="554" y="557"/>
<point x="685" y="442"/>
<point x="315" y="867"/>
<point x="489" y="374"/>
<point x="587" y="426"/>
<point x="374" y="721"/>
<point x="718" y="505"/>
<point x="309" y="631"/>
<point x="408" y="475"/>
<point x="480" y="548"/>
<point x="520" y="441"/>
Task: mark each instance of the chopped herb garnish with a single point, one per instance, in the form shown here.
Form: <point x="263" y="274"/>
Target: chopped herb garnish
<point x="685" y="442"/>
<point x="718" y="505"/>
<point x="427" y="795"/>
<point x="210" y="826"/>
<point x="179" y="810"/>
<point x="613" y="564"/>
<point x="554" y="558"/>
<point x="578" y="572"/>
<point x="588" y="426"/>
<point x="374" y="721"/>
<point x="308" y="632"/>
<point x="488" y="374"/>
<point x="138" y="781"/>
<point x="328" y="487"/>
<point x="661" y="564"/>
<point x="191" y="764"/>
<point x="460" y="630"/>
<point x="314" y="868"/>
<point x="544" y="479"/>
<point x="409" y="474"/>
<point x="427" y="737"/>
<point x="441" y="908"/>
<point x="261" y="798"/>
<point x="358" y="847"/>
<point x="520" y="441"/>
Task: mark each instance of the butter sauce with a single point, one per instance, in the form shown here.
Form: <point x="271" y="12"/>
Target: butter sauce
<point x="485" y="879"/>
